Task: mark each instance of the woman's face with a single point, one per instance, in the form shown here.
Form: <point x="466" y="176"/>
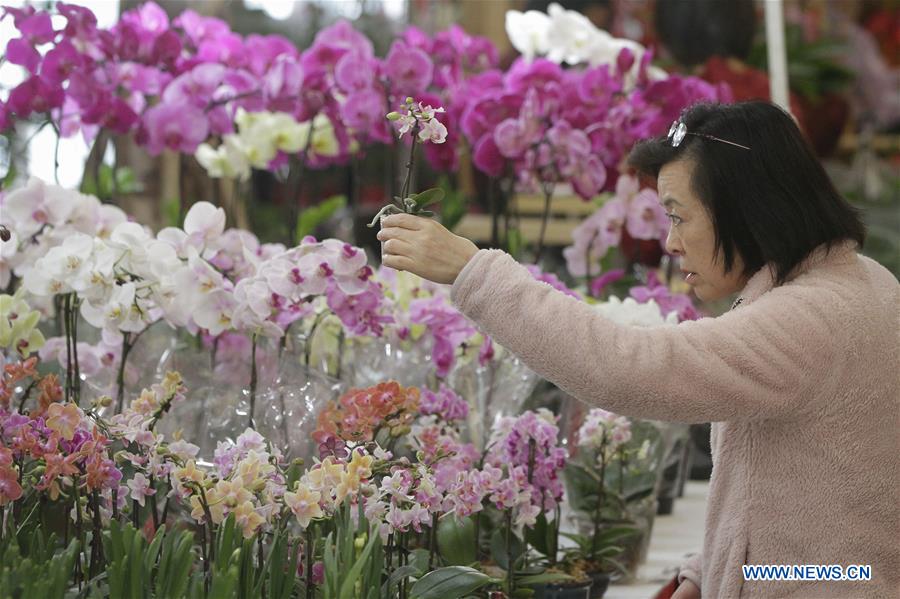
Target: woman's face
<point x="692" y="237"/>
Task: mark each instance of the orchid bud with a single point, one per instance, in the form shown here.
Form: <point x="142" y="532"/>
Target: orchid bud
<point x="393" y="116"/>
<point x="360" y="542"/>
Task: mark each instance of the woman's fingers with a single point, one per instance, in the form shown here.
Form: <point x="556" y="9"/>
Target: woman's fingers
<point x="397" y="246"/>
<point x="397" y="262"/>
<point x="393" y="233"/>
<point x="403" y="221"/>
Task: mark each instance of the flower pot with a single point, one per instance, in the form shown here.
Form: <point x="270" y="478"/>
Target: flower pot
<point x="599" y="584"/>
<point x="578" y="590"/>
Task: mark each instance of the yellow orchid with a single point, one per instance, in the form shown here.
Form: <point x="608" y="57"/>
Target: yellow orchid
<point x="304" y="503"/>
<point x="246" y="516"/>
<point x="18" y="324"/>
<point x="64" y="418"/>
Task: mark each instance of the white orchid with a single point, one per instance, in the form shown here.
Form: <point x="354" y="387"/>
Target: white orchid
<point x="214" y="311"/>
<point x="570" y="35"/>
<point x="64" y="268"/>
<point x="28" y="209"/>
<point x="528" y="32"/>
<point x="631" y="313"/>
<point x="229" y="160"/>
<point x="204" y="223"/>
<point x="260" y="137"/>
<point x="346" y="259"/>
<point x="567" y="36"/>
<point x="289" y="135"/>
<point x="119" y="312"/>
<point x="324" y="142"/>
<point x="254" y="308"/>
<point x="131" y="241"/>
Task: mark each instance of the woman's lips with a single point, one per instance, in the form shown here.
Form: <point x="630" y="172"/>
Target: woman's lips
<point x="690" y="277"/>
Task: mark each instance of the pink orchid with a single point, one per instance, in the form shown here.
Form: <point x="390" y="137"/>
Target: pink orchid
<point x="140" y="488"/>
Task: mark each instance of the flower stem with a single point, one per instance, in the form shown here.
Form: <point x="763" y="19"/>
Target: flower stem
<point x="340" y="352"/>
<point x="476" y="535"/>
<point x="79" y="533"/>
<point x="310" y="546"/>
<point x="96" y="544"/>
<point x="307" y="349"/>
<point x="432" y="541"/>
<point x="404" y="193"/>
<point x="120" y="377"/>
<point x="587" y="263"/>
<point x="510" y="568"/>
<point x="600" y="492"/>
<point x="252" y="382"/>
<point x="295" y="179"/>
<point x="67" y="302"/>
<point x="548" y="194"/>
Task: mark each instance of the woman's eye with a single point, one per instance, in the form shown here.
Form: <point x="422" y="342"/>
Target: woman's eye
<point x="676" y="220"/>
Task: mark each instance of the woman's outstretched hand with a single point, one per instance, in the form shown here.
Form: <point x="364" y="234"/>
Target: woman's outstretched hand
<point x="424" y="247"/>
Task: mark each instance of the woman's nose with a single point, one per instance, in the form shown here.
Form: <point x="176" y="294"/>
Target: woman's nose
<point x="673" y="244"/>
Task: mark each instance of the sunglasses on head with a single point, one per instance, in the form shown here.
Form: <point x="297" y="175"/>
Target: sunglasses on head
<point x="678" y="131"/>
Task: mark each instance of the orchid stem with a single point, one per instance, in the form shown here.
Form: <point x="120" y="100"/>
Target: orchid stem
<point x="120" y="378"/>
<point x="253" y="382"/>
<point x="404" y="193"/>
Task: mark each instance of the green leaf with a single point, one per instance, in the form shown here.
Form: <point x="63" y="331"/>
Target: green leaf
<point x="387" y="589"/>
<point x="171" y="212"/>
<point x="543" y="578"/>
<point x="134" y="557"/>
<point x="153" y="550"/>
<point x="428" y="197"/>
<point x="454" y="206"/>
<point x="350" y="581"/>
<point x="615" y="533"/>
<point x="583" y="541"/>
<point x="536" y="536"/>
<point x="514" y="243"/>
<point x="456" y="541"/>
<point x="451" y="582"/>
<point x="418" y="558"/>
<point x="310" y="218"/>
<point x="499" y="550"/>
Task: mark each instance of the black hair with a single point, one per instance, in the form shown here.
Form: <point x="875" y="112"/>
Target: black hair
<point x="773" y="203"/>
<point x="694" y="30"/>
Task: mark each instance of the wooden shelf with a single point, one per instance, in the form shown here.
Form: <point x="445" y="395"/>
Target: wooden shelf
<point x="566" y="213"/>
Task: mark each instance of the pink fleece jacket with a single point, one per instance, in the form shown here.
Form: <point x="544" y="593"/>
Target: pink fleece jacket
<point x="801" y="381"/>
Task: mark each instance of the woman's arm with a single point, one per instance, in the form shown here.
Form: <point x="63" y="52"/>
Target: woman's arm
<point x="751" y="363"/>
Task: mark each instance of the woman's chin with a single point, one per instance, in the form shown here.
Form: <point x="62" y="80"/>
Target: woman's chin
<point x="705" y="293"/>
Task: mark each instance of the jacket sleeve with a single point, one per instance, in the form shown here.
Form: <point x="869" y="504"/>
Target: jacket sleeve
<point x="750" y="363"/>
<point x="692" y="570"/>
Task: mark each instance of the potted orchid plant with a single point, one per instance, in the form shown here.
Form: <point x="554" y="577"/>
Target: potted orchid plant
<point x="423" y="125"/>
<point x="602" y="442"/>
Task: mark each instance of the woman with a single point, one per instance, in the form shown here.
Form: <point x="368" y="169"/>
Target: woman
<point x="800" y="377"/>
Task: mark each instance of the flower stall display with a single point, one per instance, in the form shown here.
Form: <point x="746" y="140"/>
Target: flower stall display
<point x="199" y="411"/>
